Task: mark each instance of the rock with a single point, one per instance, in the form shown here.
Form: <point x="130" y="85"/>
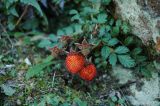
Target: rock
<point x="122" y="74"/>
<point x="150" y="91"/>
<point x="141" y="94"/>
<point x="142" y="15"/>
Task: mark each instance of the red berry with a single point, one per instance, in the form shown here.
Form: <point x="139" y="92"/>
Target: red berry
<point x="74" y="62"/>
<point x="88" y="72"/>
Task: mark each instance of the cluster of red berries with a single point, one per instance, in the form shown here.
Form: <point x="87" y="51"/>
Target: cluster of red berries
<point x="76" y="63"/>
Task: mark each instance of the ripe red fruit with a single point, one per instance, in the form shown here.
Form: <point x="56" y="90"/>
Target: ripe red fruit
<point x="74" y="62"/>
<point x="88" y="72"/>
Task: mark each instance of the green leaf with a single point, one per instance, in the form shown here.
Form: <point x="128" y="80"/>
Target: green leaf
<point x="76" y="17"/>
<point x="113" y="59"/>
<point x="30" y="24"/>
<point x="89" y="10"/>
<point x="121" y="50"/>
<point x="8" y="90"/>
<point x="111" y="22"/>
<point x="44" y="43"/>
<point x="105" y="52"/>
<point x="102" y="31"/>
<point x="102" y="18"/>
<point x="106" y="2"/>
<point x="60" y="32"/>
<point x="53" y="37"/>
<point x="121" y="101"/>
<point x="27" y="40"/>
<point x="137" y="51"/>
<point x="95" y="1"/>
<point x="114" y="98"/>
<point x="33" y="3"/>
<point x="108" y="28"/>
<point x="13" y="11"/>
<point x="35" y="70"/>
<point x="140" y="59"/>
<point x="8" y="3"/>
<point x="18" y="34"/>
<point x="72" y="12"/>
<point x="53" y="100"/>
<point x="128" y="40"/>
<point x="106" y="38"/>
<point x="97" y="60"/>
<point x="125" y="28"/>
<point x="118" y="23"/>
<point x="115" y="31"/>
<point x="94" y="20"/>
<point x="126" y="61"/>
<point x="48" y="59"/>
<point x="97" y="4"/>
<point x="68" y="30"/>
<point x="147" y="73"/>
<point x="78" y="28"/>
<point x="113" y="42"/>
<point x="65" y="104"/>
<point x="11" y="26"/>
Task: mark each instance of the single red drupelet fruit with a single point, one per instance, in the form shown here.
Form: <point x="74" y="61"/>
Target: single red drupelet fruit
<point x="88" y="72"/>
<point x="74" y="62"/>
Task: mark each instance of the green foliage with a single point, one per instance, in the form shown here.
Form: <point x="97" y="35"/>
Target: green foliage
<point x="79" y="102"/>
<point x="125" y="28"/>
<point x="56" y="100"/>
<point x="145" y="72"/>
<point x="9" y="3"/>
<point x="126" y="60"/>
<point x="106" y="2"/>
<point x="50" y="100"/>
<point x="105" y="52"/>
<point x="121" y="50"/>
<point x="110" y="39"/>
<point x="113" y="59"/>
<point x="128" y="40"/>
<point x="83" y="20"/>
<point x="101" y="18"/>
<point x="33" y="3"/>
<point x="106" y="33"/>
<point x="70" y="30"/>
<point x="35" y="70"/>
<point x="113" y="42"/>
<point x="45" y="43"/>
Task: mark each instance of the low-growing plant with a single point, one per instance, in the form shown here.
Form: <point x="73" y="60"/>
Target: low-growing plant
<point x="81" y="36"/>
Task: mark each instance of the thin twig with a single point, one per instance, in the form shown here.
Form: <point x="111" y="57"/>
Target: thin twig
<point x="22" y="15"/>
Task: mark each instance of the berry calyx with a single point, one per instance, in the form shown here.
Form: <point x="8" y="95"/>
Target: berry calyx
<point x="55" y="51"/>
